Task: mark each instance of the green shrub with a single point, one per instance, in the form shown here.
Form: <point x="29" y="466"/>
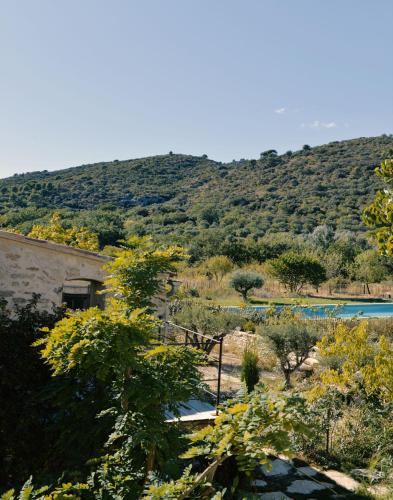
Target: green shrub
<point x="249" y="369"/>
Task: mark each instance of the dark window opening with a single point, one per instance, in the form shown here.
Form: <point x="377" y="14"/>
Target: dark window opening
<point x="76" y="301"/>
<point x="82" y="294"/>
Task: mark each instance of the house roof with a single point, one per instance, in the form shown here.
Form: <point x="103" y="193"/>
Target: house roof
<point x="56" y="247"/>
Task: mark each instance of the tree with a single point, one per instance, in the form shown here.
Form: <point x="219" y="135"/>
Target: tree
<point x="322" y="237"/>
<point x="294" y="270"/>
<point x="368" y="268"/>
<point x="249" y="367"/>
<point x="236" y="250"/>
<point x="291" y="339"/>
<point x="108" y="225"/>
<point x="119" y="346"/>
<point x="218" y="266"/>
<point x="380" y="213"/>
<point x="137" y="271"/>
<point x="244" y="281"/>
<point x="212" y="322"/>
<point x="270" y="248"/>
<point x="74" y="236"/>
<point x="210" y="215"/>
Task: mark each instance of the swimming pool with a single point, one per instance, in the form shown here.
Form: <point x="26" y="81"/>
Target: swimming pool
<point x="367" y="310"/>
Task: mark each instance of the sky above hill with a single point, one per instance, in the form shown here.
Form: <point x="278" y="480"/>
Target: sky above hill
<point x="93" y="80"/>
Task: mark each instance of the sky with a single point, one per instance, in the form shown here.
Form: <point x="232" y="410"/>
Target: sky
<point x="98" y="80"/>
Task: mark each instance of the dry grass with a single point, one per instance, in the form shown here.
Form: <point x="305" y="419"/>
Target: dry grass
<point x="219" y="291"/>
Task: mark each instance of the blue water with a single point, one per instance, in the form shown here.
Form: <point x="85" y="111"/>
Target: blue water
<point x="383" y="310"/>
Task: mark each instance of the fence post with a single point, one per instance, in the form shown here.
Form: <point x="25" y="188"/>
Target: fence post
<point x="219" y="374"/>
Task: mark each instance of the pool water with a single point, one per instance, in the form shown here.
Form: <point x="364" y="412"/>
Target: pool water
<point x="383" y="310"/>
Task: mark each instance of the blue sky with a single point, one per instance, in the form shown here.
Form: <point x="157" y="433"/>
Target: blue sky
<point x="93" y="80"/>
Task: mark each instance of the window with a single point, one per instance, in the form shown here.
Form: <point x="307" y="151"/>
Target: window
<point x="82" y="294"/>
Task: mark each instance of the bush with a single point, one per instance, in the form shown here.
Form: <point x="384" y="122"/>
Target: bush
<point x="249" y="369"/>
<point x="25" y="417"/>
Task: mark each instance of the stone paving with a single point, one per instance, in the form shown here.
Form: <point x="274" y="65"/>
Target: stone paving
<point x="295" y="480"/>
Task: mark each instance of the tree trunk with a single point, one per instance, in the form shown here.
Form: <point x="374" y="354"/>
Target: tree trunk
<point x="287" y="375"/>
<point x="149" y="465"/>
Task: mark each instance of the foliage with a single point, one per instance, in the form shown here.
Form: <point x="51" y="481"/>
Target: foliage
<point x="294" y="270"/>
<point x="292" y="340"/>
<point x="118" y="349"/>
<point x="48" y="424"/>
<point x="369" y="268"/>
<point x="249" y="367"/>
<point x="363" y="437"/>
<point x="359" y="361"/>
<point x="100" y="342"/>
<point x="350" y="432"/>
<point x="25" y="431"/>
<point x="244" y="281"/>
<point x="212" y="322"/>
<point x="380" y="213"/>
<point x="167" y="195"/>
<point x="56" y="232"/>
<point x="217" y="266"/>
<point x="245" y="430"/>
<point x="137" y="272"/>
<point x="322" y="237"/>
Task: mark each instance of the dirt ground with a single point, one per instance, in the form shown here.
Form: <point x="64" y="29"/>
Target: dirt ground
<point x="233" y="346"/>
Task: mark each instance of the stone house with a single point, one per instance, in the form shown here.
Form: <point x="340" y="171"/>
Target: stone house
<point x="58" y="273"/>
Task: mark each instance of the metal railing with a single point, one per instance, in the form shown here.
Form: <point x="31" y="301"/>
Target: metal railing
<point x="172" y="334"/>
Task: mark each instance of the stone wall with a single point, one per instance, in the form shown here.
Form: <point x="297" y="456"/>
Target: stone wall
<point x="30" y="266"/>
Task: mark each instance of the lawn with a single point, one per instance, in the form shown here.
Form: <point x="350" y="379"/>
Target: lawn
<point x="301" y="300"/>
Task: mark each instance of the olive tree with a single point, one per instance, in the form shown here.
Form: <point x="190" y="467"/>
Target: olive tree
<point x="292" y="342"/>
<point x="244" y="281"/>
<point x="211" y="322"/>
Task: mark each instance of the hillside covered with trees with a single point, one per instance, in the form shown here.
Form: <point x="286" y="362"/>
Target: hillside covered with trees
<point x="181" y="196"/>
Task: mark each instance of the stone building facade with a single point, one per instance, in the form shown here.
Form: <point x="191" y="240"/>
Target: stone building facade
<point x="58" y="273"/>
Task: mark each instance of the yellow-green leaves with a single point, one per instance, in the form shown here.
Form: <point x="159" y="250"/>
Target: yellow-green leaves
<point x="73" y="236"/>
<point x="246" y="429"/>
<point x="380" y="213"/>
<point x="385" y="170"/>
<point x="96" y="341"/>
<point x="362" y="361"/>
<point x="137" y="272"/>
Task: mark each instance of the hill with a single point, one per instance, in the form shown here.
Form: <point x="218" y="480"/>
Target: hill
<point x="181" y="195"/>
